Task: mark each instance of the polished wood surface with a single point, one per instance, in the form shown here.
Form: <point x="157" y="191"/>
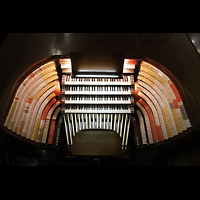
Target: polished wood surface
<point x="97" y="63"/>
<point x="95" y="142"/>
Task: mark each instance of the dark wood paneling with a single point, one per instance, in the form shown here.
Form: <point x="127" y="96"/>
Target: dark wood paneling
<point x="97" y="63"/>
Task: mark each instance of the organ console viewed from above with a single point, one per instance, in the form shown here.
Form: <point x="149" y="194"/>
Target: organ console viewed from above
<point x="98" y="104"/>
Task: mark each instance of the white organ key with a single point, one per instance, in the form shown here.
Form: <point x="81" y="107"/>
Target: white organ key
<point x="119" y="116"/>
<point x="104" y="124"/>
<point x="79" y="121"/>
<point x="66" y="131"/>
<point x="121" y="125"/>
<point x="73" y="124"/>
<point x="125" y="123"/>
<point x="114" y="122"/>
<point x="86" y="121"/>
<point x="76" y="122"/>
<point x="107" y="121"/>
<point x="88" y="118"/>
<point x="83" y="122"/>
<point x="90" y="121"/>
<point x="93" y="121"/>
<point x="97" y="120"/>
<point x="100" y="120"/>
<point x="69" y="125"/>
<point x="126" y="142"/>
<point x="111" y="119"/>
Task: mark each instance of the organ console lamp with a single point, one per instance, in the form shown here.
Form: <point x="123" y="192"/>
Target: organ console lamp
<point x="97" y="65"/>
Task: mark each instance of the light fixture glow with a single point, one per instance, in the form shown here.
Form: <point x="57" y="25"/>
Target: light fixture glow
<point x="66" y="63"/>
<point x="90" y="75"/>
<point x="107" y="71"/>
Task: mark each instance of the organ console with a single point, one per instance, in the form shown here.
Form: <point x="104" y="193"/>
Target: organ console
<point x="145" y="103"/>
<point x="97" y="103"/>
